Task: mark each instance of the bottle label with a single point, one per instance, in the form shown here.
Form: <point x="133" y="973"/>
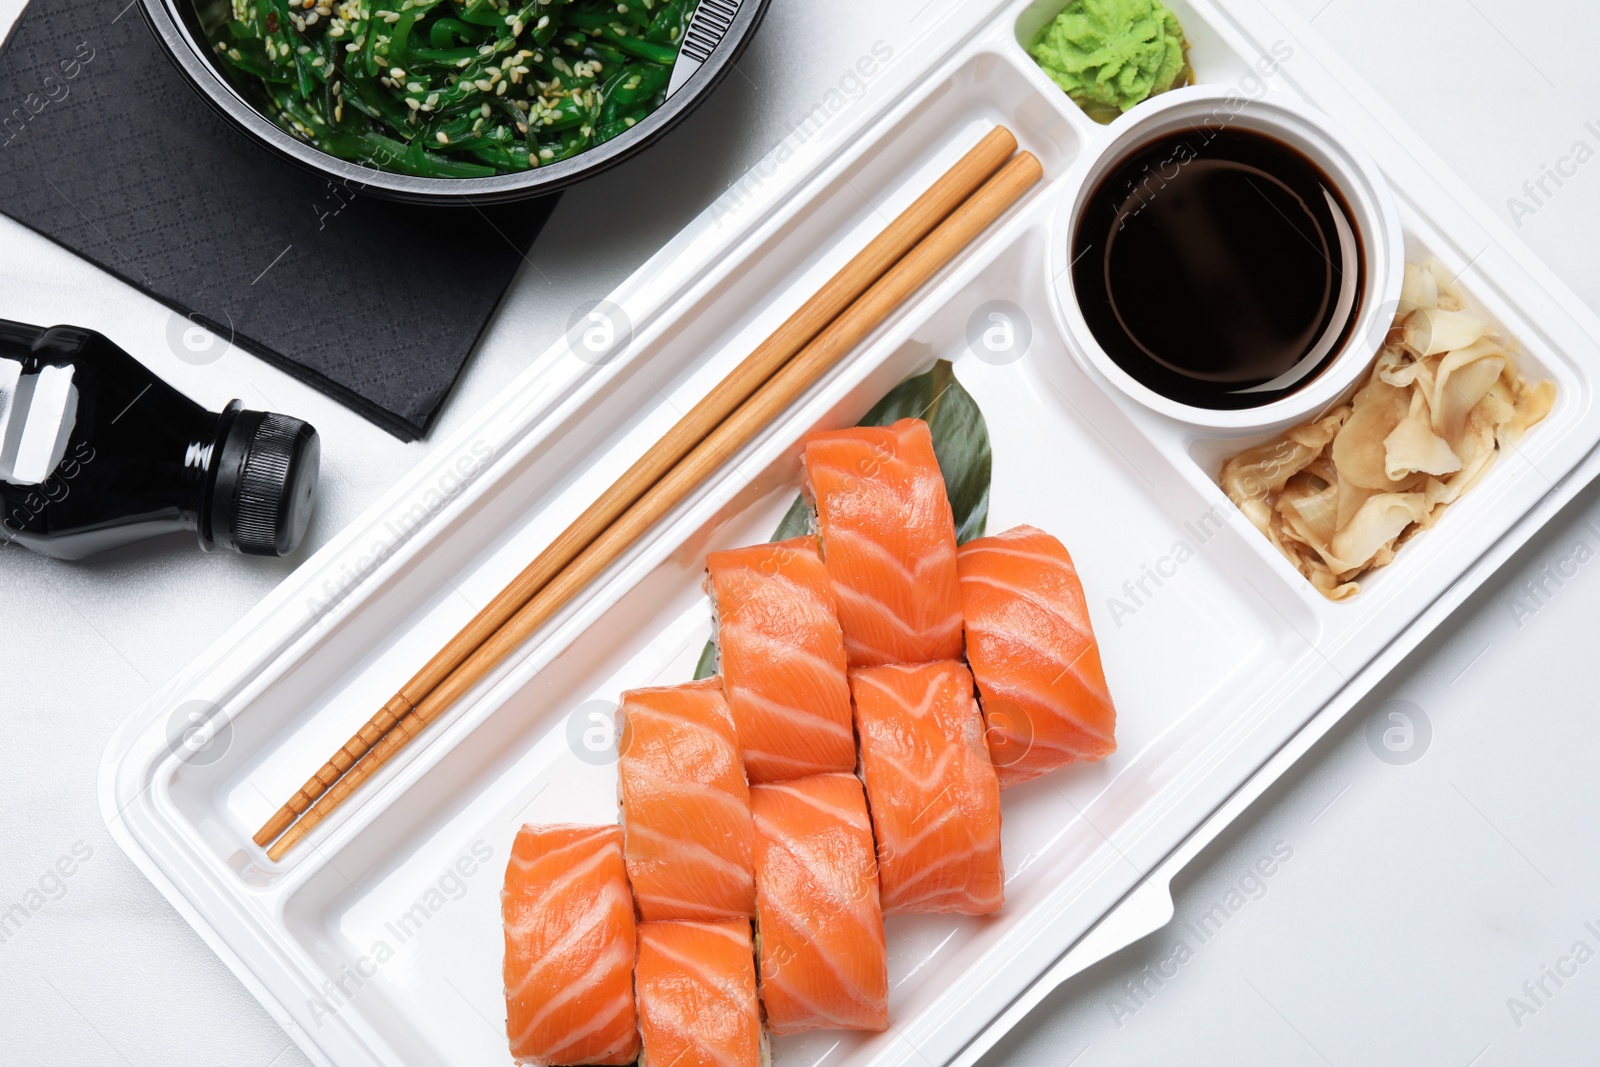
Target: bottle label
<point x="37" y="414"/>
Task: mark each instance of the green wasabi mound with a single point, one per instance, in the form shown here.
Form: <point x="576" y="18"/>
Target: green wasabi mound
<point x="1110" y="54"/>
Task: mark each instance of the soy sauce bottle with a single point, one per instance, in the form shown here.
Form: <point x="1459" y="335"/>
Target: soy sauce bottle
<point x="98" y="452"/>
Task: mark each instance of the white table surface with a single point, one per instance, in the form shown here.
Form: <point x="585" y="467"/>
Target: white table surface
<point x="1416" y="900"/>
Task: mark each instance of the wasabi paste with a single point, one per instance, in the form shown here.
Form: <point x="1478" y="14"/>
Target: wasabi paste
<point x="1110" y="54"/>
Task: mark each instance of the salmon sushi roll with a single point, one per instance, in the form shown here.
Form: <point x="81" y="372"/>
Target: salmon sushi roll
<point x="933" y="794"/>
<point x="822" y="958"/>
<point x="888" y="540"/>
<point x="569" y="948"/>
<point x="687" y="835"/>
<point x="1034" y="655"/>
<point x="782" y="660"/>
<point x="696" y="984"/>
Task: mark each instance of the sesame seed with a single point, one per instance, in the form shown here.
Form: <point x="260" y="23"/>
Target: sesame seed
<point x="442" y="137"/>
<point x="412" y="104"/>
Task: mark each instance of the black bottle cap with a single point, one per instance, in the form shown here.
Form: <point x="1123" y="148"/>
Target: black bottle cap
<point x="266" y="473"/>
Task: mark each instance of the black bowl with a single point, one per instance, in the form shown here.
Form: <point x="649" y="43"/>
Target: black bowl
<point x="177" y="24"/>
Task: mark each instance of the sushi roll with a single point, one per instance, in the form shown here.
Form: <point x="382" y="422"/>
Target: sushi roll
<point x="888" y="540"/>
<point x="821" y="953"/>
<point x="569" y="1000"/>
<point x="687" y="835"/>
<point x="782" y="660"/>
<point x="1034" y="655"/>
<point x="933" y="794"/>
<point x="696" y="984"/>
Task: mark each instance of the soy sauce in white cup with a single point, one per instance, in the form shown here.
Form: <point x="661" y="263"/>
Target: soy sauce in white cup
<point x="1218" y="266"/>
<point x="1211" y="338"/>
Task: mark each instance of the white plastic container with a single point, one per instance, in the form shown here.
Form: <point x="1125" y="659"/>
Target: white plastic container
<point x="378" y="941"/>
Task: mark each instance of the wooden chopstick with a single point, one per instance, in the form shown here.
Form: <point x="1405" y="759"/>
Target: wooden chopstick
<point x="865" y="268"/>
<point x="799" y="374"/>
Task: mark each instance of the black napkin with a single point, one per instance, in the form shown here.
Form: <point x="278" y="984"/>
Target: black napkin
<point x="106" y="149"/>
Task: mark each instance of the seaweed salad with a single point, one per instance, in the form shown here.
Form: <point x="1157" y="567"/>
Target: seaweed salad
<point x="450" y="88"/>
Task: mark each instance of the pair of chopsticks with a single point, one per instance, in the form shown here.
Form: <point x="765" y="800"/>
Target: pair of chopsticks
<point x="854" y="302"/>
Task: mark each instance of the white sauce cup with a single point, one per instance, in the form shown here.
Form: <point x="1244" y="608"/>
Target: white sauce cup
<point x="1367" y="195"/>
